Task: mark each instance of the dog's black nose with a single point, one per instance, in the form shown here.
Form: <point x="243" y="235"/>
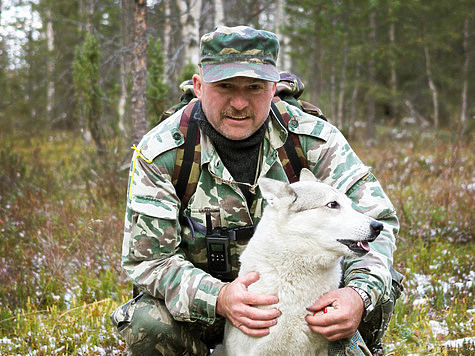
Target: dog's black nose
<point x="376" y="226"/>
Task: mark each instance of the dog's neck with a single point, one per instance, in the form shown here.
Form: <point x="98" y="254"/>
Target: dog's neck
<point x="293" y="266"/>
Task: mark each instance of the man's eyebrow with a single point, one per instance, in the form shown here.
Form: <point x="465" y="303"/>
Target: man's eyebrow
<point x="223" y="81"/>
<point x="256" y="80"/>
<point x="251" y="81"/>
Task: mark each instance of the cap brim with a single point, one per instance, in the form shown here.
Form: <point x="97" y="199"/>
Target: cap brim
<point x="216" y="72"/>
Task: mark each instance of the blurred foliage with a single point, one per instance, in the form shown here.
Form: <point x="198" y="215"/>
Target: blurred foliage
<point x="87" y="87"/>
<point x="345" y="62"/>
<point x="157" y="89"/>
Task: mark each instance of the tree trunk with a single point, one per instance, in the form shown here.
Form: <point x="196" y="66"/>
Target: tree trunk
<point x="174" y="44"/>
<point x="432" y="87"/>
<point x="283" y="62"/>
<point x="333" y="70"/>
<point x="191" y="31"/>
<point x="31" y="84"/>
<point x="341" y="94"/>
<point x="354" y="99"/>
<point x="332" y="90"/>
<point x="463" y="110"/>
<point x="82" y="113"/>
<point x="166" y="44"/>
<point x="392" y="64"/>
<point x="219" y="8"/>
<point x="138" y="100"/>
<point x="207" y="19"/>
<point x="49" y="65"/>
<point x="89" y="14"/>
<point x="315" y="83"/>
<point x="371" y="119"/>
<point x="127" y="14"/>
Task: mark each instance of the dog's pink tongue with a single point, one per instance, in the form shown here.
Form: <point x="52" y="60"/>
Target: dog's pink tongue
<point x="364" y="245"/>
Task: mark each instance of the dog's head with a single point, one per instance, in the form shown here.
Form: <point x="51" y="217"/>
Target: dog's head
<point x="312" y="215"/>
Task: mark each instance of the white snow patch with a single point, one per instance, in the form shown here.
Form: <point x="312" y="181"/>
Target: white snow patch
<point x="438" y="328"/>
<point x="460" y="342"/>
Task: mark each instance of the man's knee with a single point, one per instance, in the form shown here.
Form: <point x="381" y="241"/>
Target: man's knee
<point x="153" y="331"/>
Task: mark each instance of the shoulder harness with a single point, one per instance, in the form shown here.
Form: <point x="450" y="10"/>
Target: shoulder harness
<point x="188" y="158"/>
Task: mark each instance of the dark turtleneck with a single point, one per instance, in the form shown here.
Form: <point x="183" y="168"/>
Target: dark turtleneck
<point x="240" y="157"/>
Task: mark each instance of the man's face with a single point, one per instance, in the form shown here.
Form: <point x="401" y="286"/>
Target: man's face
<point x="235" y="107"/>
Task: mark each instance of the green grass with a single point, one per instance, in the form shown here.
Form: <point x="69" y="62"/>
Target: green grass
<point x="61" y="219"/>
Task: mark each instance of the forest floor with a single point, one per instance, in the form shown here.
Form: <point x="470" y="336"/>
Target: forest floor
<point x="61" y="220"/>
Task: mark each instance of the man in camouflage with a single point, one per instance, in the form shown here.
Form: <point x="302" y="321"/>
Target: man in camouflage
<point x="182" y="308"/>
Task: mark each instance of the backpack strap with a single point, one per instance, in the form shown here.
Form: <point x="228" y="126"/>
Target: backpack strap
<point x="291" y="155"/>
<point x="188" y="158"/>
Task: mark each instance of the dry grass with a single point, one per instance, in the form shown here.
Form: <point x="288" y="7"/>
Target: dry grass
<point x="61" y="212"/>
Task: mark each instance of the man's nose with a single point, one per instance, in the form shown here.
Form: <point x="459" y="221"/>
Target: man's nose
<point x="239" y="101"/>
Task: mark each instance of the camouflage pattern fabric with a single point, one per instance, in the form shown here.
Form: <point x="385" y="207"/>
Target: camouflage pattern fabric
<point x="374" y="327"/>
<point x="166" y="336"/>
<point x="166" y="262"/>
<point x="239" y="51"/>
<point x="349" y="347"/>
<point x="154" y="332"/>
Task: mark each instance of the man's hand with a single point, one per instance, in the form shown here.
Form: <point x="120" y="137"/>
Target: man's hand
<point x="238" y="305"/>
<point x="343" y="320"/>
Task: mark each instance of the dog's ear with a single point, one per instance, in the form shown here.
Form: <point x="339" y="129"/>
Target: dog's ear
<point x="307" y="175"/>
<point x="274" y="191"/>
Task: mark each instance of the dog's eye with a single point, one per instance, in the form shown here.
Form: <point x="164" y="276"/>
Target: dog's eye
<point x="333" y="205"/>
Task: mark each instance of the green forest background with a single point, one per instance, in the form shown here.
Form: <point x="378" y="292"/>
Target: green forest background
<point x="81" y="81"/>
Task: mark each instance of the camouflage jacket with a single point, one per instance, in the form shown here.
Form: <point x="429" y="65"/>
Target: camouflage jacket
<point x="162" y="257"/>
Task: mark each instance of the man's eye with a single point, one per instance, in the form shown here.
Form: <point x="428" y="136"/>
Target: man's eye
<point x="333" y="205"/>
<point x="255" y="87"/>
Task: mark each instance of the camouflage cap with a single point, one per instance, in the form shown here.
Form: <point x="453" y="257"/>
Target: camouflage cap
<point x="239" y="52"/>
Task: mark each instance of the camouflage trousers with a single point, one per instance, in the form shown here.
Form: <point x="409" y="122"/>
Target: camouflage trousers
<point x="148" y="329"/>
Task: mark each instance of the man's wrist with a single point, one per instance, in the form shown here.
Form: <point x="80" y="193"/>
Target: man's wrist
<point x="219" y="310"/>
<point x="367" y="303"/>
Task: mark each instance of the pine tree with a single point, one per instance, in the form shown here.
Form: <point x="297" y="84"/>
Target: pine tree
<point x="86" y="82"/>
<point x="157" y="89"/>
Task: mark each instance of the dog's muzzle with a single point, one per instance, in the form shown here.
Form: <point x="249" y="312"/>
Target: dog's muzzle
<point x="361" y="247"/>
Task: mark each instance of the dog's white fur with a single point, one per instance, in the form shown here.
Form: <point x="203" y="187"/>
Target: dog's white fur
<point x="297" y="255"/>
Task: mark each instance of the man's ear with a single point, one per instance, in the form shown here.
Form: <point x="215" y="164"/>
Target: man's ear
<point x="197" y="85"/>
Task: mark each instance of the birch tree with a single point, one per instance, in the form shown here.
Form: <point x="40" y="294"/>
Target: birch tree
<point x="50" y="64"/>
<point x="5" y="98"/>
<point x="127" y="41"/>
<point x="432" y="87"/>
<point x="191" y="30"/>
<point x="280" y="18"/>
<point x="219" y="12"/>
<point x="139" y="68"/>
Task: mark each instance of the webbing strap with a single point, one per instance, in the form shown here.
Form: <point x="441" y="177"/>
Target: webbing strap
<point x="188" y="154"/>
<point x="190" y="144"/>
<point x="289" y="145"/>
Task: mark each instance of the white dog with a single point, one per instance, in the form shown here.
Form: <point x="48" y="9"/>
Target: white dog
<point x="304" y="231"/>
